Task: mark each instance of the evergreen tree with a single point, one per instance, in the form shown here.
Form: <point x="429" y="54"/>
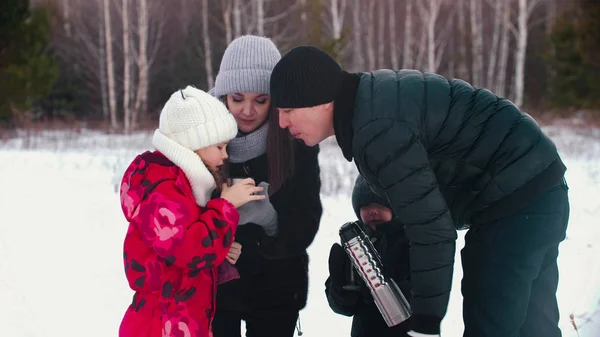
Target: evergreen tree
<point x="27" y="70"/>
<point x="576" y="38"/>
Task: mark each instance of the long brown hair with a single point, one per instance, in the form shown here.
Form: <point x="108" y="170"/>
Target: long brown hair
<point x="280" y="152"/>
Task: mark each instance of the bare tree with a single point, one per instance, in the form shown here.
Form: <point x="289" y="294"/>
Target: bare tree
<point x="497" y="30"/>
<point x="526" y="7"/>
<point x="110" y="68"/>
<point x="337" y="9"/>
<point x="207" y="46"/>
<point x="237" y="18"/>
<point x="430" y="14"/>
<point x="477" y="38"/>
<point x="66" y="9"/>
<point x="357" y="30"/>
<point x="371" y="35"/>
<point x="226" y="9"/>
<point x="126" y="67"/>
<point x="500" y="87"/>
<point x="407" y="57"/>
<point x="462" y="69"/>
<point x="392" y="30"/>
<point x="102" y="67"/>
<point x="260" y="17"/>
<point x="381" y="35"/>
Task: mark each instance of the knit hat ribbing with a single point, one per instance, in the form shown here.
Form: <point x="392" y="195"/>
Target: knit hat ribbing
<point x="362" y="195"/>
<point x="246" y="66"/>
<point x="195" y="119"/>
<point x="305" y="77"/>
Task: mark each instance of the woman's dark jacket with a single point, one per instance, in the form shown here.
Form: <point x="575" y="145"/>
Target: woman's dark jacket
<point x="274" y="270"/>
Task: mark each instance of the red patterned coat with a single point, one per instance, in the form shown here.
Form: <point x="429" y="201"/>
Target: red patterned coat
<point x="171" y="250"/>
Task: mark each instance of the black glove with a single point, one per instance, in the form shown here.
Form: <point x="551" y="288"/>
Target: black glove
<point x="343" y="296"/>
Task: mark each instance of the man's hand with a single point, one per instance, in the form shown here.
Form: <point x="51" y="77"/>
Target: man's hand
<point x="234" y="253"/>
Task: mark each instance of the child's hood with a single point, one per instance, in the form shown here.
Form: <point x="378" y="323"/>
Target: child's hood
<point x="143" y="174"/>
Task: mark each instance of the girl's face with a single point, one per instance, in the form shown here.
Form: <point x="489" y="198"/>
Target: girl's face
<point x="249" y="109"/>
<point x="213" y="156"/>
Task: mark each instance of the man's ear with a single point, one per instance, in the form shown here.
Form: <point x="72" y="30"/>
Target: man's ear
<point x="328" y="106"/>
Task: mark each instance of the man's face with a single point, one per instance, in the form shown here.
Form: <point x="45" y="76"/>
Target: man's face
<point x="373" y="214"/>
<point x="312" y="125"/>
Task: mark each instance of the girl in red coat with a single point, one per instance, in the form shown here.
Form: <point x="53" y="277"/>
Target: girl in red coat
<point x="177" y="236"/>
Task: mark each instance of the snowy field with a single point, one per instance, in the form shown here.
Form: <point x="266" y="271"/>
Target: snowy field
<point x="61" y="236"/>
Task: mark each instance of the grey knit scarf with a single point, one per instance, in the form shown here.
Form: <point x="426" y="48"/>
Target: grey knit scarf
<point x="245" y="147"/>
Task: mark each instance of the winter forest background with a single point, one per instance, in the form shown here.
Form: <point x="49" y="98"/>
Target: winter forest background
<point x="113" y="63"/>
<point x="82" y="83"/>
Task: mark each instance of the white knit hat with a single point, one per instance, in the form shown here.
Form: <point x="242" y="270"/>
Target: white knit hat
<point x="246" y="66"/>
<point x="195" y="119"/>
<point x="191" y="120"/>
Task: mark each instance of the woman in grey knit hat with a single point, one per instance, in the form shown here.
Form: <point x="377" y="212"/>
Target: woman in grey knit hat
<point x="275" y="232"/>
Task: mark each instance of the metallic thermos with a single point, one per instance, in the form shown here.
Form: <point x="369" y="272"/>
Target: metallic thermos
<point x="388" y="297"/>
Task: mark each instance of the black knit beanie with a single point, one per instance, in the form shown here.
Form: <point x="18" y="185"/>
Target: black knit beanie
<point x="362" y="194"/>
<point x="305" y="77"/>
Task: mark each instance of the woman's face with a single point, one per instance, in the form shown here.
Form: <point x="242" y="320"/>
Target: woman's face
<point x="249" y="109"/>
<point x="213" y="156"/>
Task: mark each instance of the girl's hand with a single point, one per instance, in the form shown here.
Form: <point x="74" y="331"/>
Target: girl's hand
<point x="241" y="192"/>
<point x="234" y="252"/>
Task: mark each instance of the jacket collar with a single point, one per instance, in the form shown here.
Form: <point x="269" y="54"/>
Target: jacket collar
<point x="343" y="113"/>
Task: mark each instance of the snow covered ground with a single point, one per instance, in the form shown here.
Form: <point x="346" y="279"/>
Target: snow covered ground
<point x="61" y="233"/>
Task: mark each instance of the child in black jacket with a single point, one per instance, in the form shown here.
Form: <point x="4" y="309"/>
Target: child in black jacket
<point x="373" y="212"/>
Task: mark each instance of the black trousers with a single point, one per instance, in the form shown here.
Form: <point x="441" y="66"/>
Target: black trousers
<point x="511" y="273"/>
<point x="275" y="324"/>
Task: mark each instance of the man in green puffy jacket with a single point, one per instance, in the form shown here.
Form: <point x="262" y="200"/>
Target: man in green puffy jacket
<point x="447" y="156"/>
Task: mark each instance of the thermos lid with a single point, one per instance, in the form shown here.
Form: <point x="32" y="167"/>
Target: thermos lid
<point x="349" y="231"/>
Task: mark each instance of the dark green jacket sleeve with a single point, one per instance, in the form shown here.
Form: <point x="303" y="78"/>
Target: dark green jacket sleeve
<point x="391" y="156"/>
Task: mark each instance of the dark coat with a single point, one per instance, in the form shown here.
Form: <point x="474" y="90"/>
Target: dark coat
<point x="274" y="271"/>
<point x="446" y="155"/>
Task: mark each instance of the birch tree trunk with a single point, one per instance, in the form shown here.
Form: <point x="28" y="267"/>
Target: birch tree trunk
<point x="550" y="20"/>
<point x="477" y="37"/>
<point x="429" y="17"/>
<point x="226" y="10"/>
<point x="452" y="60"/>
<point x="143" y="66"/>
<point x="370" y="35"/>
<point x="126" y="67"/>
<point x="303" y="19"/>
<point x="112" y="99"/>
<point x="495" y="40"/>
<point x="392" y="32"/>
<point x="357" y="30"/>
<point x="381" y="35"/>
<point x="337" y="10"/>
<point x="237" y="18"/>
<point x="407" y="57"/>
<point x="462" y="69"/>
<point x="207" y="46"/>
<point x="102" y="66"/>
<point x="66" y="6"/>
<point x="260" y="17"/>
<point x="500" y="87"/>
<point x="520" y="52"/>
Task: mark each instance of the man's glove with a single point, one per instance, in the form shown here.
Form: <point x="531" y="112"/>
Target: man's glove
<point x="260" y="212"/>
<point x="341" y="301"/>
